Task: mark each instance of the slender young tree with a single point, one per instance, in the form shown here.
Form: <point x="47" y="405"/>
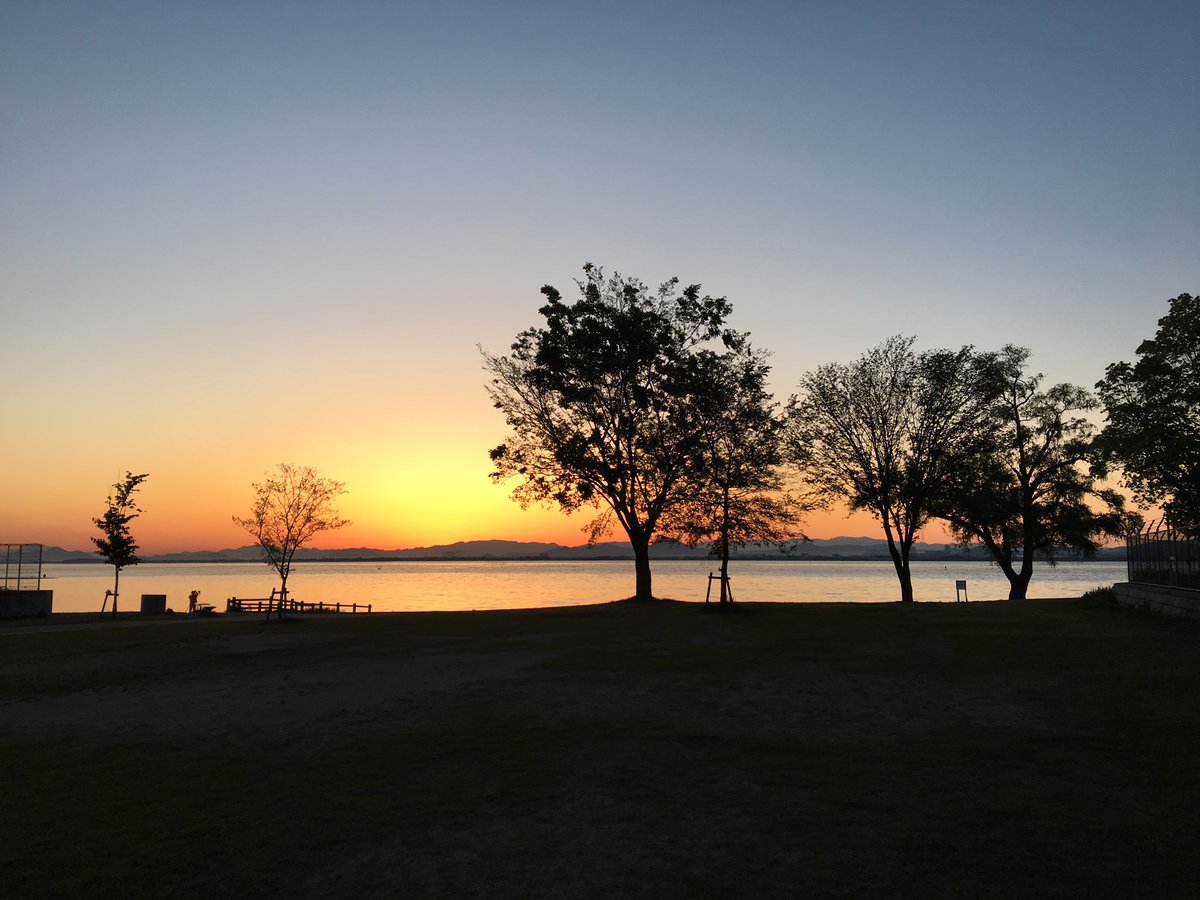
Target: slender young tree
<point x="736" y="493"/>
<point x="600" y="403"/>
<point x="117" y="546"/>
<point x="292" y="505"/>
<point x="1031" y="495"/>
<point x="884" y="433"/>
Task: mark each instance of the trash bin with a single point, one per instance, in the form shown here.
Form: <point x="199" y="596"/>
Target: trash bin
<point x="154" y="603"/>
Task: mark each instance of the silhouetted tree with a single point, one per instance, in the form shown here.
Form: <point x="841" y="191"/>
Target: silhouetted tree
<point x="736" y="493"/>
<point x="601" y="402"/>
<point x="292" y="505"/>
<point x="884" y="433"/>
<point x="1027" y="497"/>
<point x="1153" y="409"/>
<point x="117" y="545"/>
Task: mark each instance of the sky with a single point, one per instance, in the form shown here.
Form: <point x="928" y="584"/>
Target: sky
<point x="234" y="234"/>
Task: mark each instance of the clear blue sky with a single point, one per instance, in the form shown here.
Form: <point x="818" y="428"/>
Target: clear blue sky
<point x="238" y="233"/>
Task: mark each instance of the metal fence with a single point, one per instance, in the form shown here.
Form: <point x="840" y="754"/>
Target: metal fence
<point x="22" y="567"/>
<point x="1164" y="556"/>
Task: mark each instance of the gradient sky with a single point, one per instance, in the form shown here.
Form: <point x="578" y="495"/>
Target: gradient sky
<point x="234" y="233"/>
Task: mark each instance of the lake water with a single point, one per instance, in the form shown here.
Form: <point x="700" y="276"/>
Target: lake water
<point x="412" y="586"/>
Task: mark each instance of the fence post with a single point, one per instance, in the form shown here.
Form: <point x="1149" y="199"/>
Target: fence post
<point x="1162" y="555"/>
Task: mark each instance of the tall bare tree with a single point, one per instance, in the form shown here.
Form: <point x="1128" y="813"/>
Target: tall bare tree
<point x="292" y="505"/>
<point x="117" y="545"/>
<point x="600" y="402"/>
<point x="1032" y="494"/>
<point x="884" y="433"/>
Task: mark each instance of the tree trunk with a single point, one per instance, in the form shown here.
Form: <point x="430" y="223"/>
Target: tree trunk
<point x="725" y="592"/>
<point x="1018" y="582"/>
<point x="900" y="562"/>
<point x="725" y="598"/>
<point x="1002" y="556"/>
<point x="1004" y="563"/>
<point x="282" y="599"/>
<point x="641" y="566"/>
<point x="904" y="573"/>
<point x="116" y="584"/>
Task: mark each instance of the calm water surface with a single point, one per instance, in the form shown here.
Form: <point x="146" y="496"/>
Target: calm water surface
<point x="411" y="586"/>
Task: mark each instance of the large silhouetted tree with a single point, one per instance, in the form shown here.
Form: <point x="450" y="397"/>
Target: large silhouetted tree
<point x="883" y="434"/>
<point x="117" y="545"/>
<point x="601" y="402"/>
<point x="292" y="505"/>
<point x="1153" y="409"/>
<point x="1032" y="494"/>
<point x="737" y="493"/>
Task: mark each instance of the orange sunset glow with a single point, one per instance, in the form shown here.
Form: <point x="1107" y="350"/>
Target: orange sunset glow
<point x="225" y="245"/>
<point x="439" y="501"/>
<point x="283" y="285"/>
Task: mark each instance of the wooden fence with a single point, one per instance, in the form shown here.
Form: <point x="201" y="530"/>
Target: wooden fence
<point x="274" y="604"/>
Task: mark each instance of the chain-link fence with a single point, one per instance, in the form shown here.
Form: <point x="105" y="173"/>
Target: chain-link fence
<point x="1164" y="556"/>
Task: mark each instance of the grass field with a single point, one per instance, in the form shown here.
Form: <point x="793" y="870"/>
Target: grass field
<point x="1035" y="749"/>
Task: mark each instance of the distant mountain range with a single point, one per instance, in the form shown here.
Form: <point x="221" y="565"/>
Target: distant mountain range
<point x="860" y="548"/>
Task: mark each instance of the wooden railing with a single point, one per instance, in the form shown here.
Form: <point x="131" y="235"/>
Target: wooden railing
<point x="273" y="604"/>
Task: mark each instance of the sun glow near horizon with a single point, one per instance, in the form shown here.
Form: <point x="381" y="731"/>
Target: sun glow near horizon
<point x="438" y="502"/>
<point x="232" y="239"/>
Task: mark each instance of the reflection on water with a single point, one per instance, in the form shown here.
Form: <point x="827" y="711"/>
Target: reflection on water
<point x="405" y="586"/>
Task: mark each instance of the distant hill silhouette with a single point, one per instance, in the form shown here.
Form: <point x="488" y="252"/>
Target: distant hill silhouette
<point x="846" y="548"/>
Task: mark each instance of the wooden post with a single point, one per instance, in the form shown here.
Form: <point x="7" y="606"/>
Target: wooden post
<point x="727" y="584"/>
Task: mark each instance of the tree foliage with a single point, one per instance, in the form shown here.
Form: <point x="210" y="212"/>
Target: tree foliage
<point x="1153" y="411"/>
<point x="117" y="545"/>
<point x="601" y="402"/>
<point x="885" y="432"/>
<point x="1030" y="495"/>
<point x="736" y="494"/>
<point x="292" y="505"/>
